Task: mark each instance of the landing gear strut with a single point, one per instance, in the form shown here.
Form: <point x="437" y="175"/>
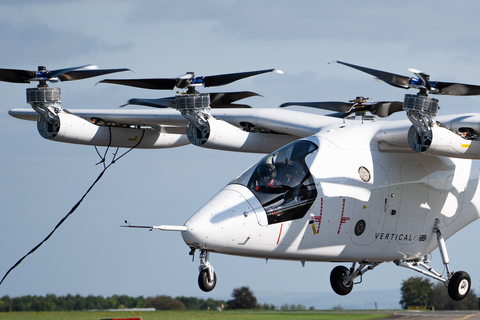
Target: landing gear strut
<point x="341" y="278"/>
<point x="459" y="282"/>
<point x="207" y="279"/>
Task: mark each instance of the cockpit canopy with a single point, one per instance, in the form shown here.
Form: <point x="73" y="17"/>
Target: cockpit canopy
<point x="282" y="182"/>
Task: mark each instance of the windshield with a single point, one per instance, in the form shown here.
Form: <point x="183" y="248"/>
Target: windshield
<point x="282" y="182"/>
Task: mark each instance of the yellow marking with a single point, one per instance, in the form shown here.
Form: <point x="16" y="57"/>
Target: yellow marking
<point x="470" y="315"/>
<point x="365" y="207"/>
<point x="133" y="139"/>
<point x="313" y="228"/>
<point x="465" y="145"/>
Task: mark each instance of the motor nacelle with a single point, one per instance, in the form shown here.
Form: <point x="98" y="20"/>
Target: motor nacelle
<point x="220" y="135"/>
<point x="444" y="142"/>
<point x="71" y="128"/>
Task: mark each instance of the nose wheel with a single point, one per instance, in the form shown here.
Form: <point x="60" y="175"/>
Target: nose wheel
<point x="339" y="282"/>
<point x="207" y="279"/>
<point x="342" y="278"/>
<point x="205" y="282"/>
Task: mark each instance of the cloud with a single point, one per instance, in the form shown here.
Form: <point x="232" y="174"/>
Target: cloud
<point x="419" y="27"/>
<point x="32" y="41"/>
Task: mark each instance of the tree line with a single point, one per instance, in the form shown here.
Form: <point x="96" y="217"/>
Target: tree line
<point x="418" y="291"/>
<point x="51" y="302"/>
<point x="242" y="298"/>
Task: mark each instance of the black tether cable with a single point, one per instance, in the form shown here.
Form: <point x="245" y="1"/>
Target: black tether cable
<point x="105" y="167"/>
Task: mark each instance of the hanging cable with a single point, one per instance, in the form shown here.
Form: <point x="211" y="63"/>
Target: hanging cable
<point x="105" y="167"/>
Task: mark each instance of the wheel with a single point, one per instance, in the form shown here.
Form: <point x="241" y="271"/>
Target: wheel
<point x="203" y="282"/>
<point x="337" y="282"/>
<point x="459" y="285"/>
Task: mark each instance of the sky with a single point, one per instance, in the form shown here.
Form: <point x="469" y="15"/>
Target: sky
<point x="40" y="180"/>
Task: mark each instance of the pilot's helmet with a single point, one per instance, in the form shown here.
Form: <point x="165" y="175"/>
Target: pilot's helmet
<point x="267" y="170"/>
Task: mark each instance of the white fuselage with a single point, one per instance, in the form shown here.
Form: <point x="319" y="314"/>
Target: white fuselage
<point x="371" y="204"/>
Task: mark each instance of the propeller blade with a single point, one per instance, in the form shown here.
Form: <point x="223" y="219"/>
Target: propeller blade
<point x="390" y="78"/>
<point x="223" y="79"/>
<point x="186" y="80"/>
<point x="67" y="74"/>
<point x="382" y="109"/>
<point x="224" y="99"/>
<point x="336" y="115"/>
<point x="56" y="73"/>
<point x="156" y="84"/>
<point x="156" y="103"/>
<point x="336" y="106"/>
<point x="217" y="100"/>
<point x="233" y="106"/>
<point x="84" y="74"/>
<point x="456" y="89"/>
<point x="16" y="76"/>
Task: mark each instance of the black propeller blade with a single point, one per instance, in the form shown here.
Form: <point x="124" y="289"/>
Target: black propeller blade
<point x="156" y="103"/>
<point x="390" y="78"/>
<point x="156" y="84"/>
<point x="68" y="74"/>
<point x="382" y="109"/>
<point x="187" y="80"/>
<point x="223" y="79"/>
<point x="457" y="89"/>
<point x="336" y="106"/>
<point x="84" y="74"/>
<point x="422" y="82"/>
<point x="217" y="100"/>
<point x="16" y="76"/>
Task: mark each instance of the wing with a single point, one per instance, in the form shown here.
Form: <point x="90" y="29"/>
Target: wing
<point x="246" y="130"/>
<point x="243" y="130"/>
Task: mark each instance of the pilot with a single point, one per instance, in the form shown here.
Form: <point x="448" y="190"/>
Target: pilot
<point x="267" y="174"/>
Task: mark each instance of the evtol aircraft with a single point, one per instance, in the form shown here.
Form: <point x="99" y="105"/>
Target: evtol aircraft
<point x="345" y="187"/>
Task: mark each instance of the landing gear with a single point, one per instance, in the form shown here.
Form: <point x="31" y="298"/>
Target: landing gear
<point x="337" y="280"/>
<point x="459" y="285"/>
<point x="341" y="278"/>
<point x="459" y="282"/>
<point x="207" y="279"/>
<point x="204" y="281"/>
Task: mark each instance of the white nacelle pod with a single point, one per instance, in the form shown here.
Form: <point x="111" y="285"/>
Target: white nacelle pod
<point x="221" y="135"/>
<point x="73" y="129"/>
<point x="446" y="143"/>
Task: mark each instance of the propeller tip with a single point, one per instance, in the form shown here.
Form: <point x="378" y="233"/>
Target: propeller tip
<point x="412" y="70"/>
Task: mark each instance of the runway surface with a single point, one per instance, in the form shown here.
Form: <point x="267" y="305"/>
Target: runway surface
<point x="443" y="315"/>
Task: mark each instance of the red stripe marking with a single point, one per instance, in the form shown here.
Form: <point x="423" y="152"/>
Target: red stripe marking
<point x="280" y="233"/>
<point x="342" y="219"/>
<point x="319" y="218"/>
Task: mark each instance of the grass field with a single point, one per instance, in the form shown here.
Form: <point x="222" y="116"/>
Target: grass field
<point x="193" y="315"/>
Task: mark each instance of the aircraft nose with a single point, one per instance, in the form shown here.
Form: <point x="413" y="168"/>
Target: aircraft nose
<point x="212" y="226"/>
